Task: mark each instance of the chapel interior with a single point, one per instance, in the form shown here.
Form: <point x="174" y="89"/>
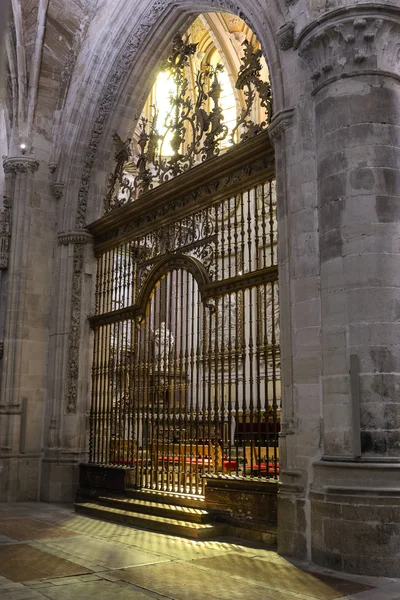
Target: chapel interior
<point x="199" y="259"/>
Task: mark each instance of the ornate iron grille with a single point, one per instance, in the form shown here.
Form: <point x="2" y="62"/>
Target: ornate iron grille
<point x="186" y="368"/>
<point x="195" y="122"/>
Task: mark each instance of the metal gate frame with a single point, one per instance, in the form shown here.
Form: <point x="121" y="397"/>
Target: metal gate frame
<point x="233" y="262"/>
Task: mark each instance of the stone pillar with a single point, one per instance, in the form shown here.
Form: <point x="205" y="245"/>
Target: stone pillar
<point x="18" y="478"/>
<point x="293" y="484"/>
<point x="355" y="495"/>
<point x="67" y="426"/>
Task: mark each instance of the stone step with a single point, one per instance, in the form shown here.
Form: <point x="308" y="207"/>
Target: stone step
<point x="173" y="498"/>
<point x="200" y="531"/>
<point x="159" y="509"/>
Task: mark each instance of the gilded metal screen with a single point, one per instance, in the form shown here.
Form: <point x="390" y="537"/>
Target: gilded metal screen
<point x="186" y="370"/>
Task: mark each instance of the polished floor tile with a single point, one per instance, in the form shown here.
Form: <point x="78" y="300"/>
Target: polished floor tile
<point x="49" y="553"/>
<point x="101" y="590"/>
<point x="175" y="547"/>
<point x="284" y="577"/>
<point x="23" y="529"/>
<point x="22" y="562"/>
<point x="182" y="581"/>
<point x="110" y="555"/>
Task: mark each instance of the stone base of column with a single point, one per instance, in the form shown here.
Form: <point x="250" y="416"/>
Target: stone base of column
<point x="19" y="478"/>
<point x="355" y="517"/>
<point x="292" y="523"/>
<point x="60" y="480"/>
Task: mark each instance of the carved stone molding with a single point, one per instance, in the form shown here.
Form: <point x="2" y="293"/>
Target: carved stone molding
<point x="20" y="164"/>
<point x="5" y="232"/>
<point x="281" y="121"/>
<point x="125" y="62"/>
<point x="57" y="189"/>
<point x="348" y="42"/>
<point x="75" y="237"/>
<point x="75" y="328"/>
<point x="285" y="36"/>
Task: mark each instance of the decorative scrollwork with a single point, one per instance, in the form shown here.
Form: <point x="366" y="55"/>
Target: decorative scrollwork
<point x="250" y="82"/>
<point x="5" y="232"/>
<point x="192" y="236"/>
<point x="195" y="131"/>
<point x="118" y="184"/>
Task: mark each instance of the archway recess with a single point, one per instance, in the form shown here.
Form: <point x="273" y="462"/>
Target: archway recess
<point x="186" y="329"/>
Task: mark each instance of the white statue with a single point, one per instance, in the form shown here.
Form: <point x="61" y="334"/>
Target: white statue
<point x="163" y="346"/>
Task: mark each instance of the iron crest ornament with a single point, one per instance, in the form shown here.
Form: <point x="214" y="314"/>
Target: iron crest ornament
<point x="195" y="127"/>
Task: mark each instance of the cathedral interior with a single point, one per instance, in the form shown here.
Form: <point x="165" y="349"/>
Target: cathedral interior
<point x="199" y="299"/>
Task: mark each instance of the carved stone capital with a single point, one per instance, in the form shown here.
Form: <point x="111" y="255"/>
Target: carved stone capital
<point x="349" y="42"/>
<point x="285" y="36"/>
<point x="80" y="236"/>
<point x="20" y="164"/>
<point x="280" y="122"/>
<point x="57" y="189"/>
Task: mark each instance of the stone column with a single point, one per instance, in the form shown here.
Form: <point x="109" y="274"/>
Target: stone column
<point x="14" y="410"/>
<point x="355" y="496"/>
<point x="66" y="430"/>
<point x="293" y="485"/>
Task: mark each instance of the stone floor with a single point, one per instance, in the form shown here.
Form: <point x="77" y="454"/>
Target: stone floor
<point x="46" y="551"/>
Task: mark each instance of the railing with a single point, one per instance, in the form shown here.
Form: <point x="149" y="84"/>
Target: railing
<point x="186" y="369"/>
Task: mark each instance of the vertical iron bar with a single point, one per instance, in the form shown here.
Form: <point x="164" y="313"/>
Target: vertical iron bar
<point x="93" y="404"/>
<point x="191" y="383"/>
<point x="217" y="243"/>
<point x="249" y="231"/>
<point x="229" y="235"/>
<point x="266" y="371"/>
<point x="220" y="462"/>
<point x="230" y="350"/>
<point x="251" y="377"/>
<point x="216" y="391"/>
<point x="244" y="383"/>
<point x="141" y="400"/>
<point x="256" y="221"/>
<point x="116" y="392"/>
<point x="182" y="410"/>
<point x="237" y="405"/>
<point x="172" y="372"/>
<point x="130" y="393"/>
<point x="204" y="377"/>
<point x="259" y="324"/>
<point x="110" y="369"/>
<point x="274" y="397"/>
<point x="187" y="401"/>
<point x="199" y="376"/>
<point x="138" y="403"/>
<point x="101" y="399"/>
<point x="264" y="226"/>
<point x="149" y="410"/>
